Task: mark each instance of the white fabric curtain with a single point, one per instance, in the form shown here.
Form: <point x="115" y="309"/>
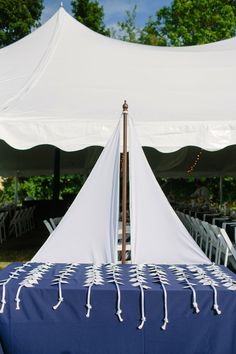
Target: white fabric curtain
<point x="87" y="233"/>
<point x="157" y="234"/>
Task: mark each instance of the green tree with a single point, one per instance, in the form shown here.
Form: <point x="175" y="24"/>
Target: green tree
<point x="39" y="187"/>
<point x="190" y="22"/>
<point x="17" y="18"/>
<point x="91" y="14"/>
<point x="128" y="30"/>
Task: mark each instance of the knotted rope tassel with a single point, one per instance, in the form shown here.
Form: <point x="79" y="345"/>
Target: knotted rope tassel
<point x="17" y="299"/>
<point x="215" y="306"/>
<point x="195" y="304"/>
<point x="60" y="297"/>
<point x="3" y="300"/>
<point x="166" y="321"/>
<point x="119" y="311"/>
<point x="88" y="305"/>
<point x="143" y="318"/>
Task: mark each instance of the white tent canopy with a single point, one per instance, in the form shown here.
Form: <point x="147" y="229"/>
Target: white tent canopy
<point x="64" y="85"/>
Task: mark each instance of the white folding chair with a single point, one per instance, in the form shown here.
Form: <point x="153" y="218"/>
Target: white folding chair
<point x="15" y="223"/>
<point x="213" y="242"/>
<point x="55" y="221"/>
<point x="230" y="249"/>
<point x="48" y="226"/>
<point x="3" y="235"/>
<point x="119" y="244"/>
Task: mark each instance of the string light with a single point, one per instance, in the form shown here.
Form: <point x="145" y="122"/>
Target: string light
<point x="194" y="164"/>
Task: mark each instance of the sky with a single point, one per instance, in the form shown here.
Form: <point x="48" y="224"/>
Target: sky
<point x="114" y="10"/>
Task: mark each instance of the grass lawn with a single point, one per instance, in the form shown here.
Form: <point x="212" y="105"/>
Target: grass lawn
<point x="23" y="248"/>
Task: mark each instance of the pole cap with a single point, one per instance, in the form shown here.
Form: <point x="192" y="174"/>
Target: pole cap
<point x="125" y="106"/>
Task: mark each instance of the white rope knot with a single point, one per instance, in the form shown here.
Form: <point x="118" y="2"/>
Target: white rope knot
<point x="208" y="281"/>
<point x="13" y="275"/>
<point x="195" y="306"/>
<point x="159" y="276"/>
<point x="163" y="327"/>
<point x="88" y="311"/>
<point x="55" y="307"/>
<point x="89" y="308"/>
<point x="138" y="280"/>
<point x="143" y="320"/>
<point x="93" y="277"/>
<point x="118" y="313"/>
<point x="17" y="299"/>
<point x="3" y="302"/>
<point x="115" y="277"/>
<point x="61" y="279"/>
<point x="17" y="304"/>
<point x="216" y="308"/>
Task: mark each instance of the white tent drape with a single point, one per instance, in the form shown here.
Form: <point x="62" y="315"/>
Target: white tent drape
<point x="63" y="85"/>
<point x="87" y="233"/>
<point x="157" y="234"/>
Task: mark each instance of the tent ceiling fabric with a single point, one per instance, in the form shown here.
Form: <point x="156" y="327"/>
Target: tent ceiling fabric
<point x="39" y="161"/>
<point x="64" y="84"/>
<point x="176" y="164"/>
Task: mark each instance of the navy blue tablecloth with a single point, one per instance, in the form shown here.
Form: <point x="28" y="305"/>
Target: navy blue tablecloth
<point x="38" y="329"/>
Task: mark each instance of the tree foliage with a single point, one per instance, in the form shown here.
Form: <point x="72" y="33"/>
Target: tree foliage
<point x="91" y="14"/>
<point x="17" y="18"/>
<point x="190" y="22"/>
<point x="39" y="187"/>
<point x="128" y="30"/>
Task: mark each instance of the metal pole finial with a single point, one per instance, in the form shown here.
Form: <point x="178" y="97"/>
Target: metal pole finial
<point x="125" y="106"/>
<point x="62" y="5"/>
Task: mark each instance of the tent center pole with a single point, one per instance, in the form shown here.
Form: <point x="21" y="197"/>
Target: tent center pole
<point x="16" y="192"/>
<point x="56" y="174"/>
<point x="221" y="191"/>
<point x="124" y="181"/>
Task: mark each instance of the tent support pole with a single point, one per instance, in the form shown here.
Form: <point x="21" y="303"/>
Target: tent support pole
<point x="221" y="191"/>
<point x="16" y="192"/>
<point x="56" y="175"/>
<point x="124" y="181"/>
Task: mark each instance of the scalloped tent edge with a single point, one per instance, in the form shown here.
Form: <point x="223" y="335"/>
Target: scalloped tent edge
<point x="63" y="85"/>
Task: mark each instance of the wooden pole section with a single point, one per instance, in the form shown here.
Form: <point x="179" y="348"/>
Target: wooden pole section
<point x="124" y="181"/>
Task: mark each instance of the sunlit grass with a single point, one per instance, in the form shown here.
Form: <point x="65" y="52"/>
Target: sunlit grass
<point x="4" y="264"/>
<point x="23" y="248"/>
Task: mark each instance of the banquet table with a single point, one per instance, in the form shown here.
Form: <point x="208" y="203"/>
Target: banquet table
<point x="36" y="328"/>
